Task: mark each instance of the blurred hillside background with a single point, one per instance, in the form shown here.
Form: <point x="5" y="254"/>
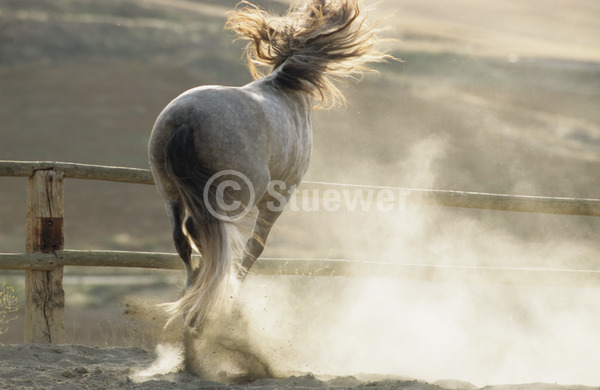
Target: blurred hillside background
<point x="499" y="97"/>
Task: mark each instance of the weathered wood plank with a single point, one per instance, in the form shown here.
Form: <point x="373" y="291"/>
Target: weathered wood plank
<point x="28" y="261"/>
<point x="445" y="198"/>
<point x="321" y="267"/>
<point x="405" y="196"/>
<point x="78" y="171"/>
<point x="516" y="203"/>
<point x="118" y="259"/>
<point x="429" y="272"/>
<point x="45" y="298"/>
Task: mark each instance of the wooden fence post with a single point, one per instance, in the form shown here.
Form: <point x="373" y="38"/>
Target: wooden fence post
<point x="45" y="298"/>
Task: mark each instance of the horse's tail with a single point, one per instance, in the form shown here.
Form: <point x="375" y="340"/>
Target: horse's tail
<point x="213" y="237"/>
<point x="318" y="44"/>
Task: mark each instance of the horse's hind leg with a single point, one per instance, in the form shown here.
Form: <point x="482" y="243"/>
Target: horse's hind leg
<point x="267" y="215"/>
<point x="176" y="213"/>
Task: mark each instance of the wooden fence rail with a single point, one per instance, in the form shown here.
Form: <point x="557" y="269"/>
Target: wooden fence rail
<point x="314" y="267"/>
<point x="46" y="257"/>
<point x="445" y="198"/>
<point x="77" y="171"/>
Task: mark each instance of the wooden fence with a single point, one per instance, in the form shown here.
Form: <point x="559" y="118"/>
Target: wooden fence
<point x="46" y="256"/>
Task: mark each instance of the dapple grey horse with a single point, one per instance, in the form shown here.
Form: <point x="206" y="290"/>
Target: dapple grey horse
<point x="215" y="150"/>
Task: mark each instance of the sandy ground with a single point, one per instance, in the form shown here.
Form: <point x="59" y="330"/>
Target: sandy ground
<point x="550" y="103"/>
<point x="81" y="367"/>
<point x="35" y="366"/>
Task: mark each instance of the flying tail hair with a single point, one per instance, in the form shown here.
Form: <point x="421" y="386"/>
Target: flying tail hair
<point x="212" y="281"/>
<point x="316" y="46"/>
